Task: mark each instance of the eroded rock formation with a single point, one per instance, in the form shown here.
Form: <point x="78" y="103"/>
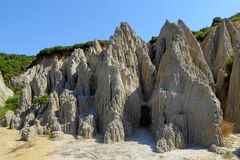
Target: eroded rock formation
<point x="221" y="50"/>
<point x="233" y="103"/>
<point x="184" y="107"/>
<point x="117" y="89"/>
<point x="219" y="45"/>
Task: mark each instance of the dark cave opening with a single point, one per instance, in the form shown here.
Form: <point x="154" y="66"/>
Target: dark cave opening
<point x="145" y="119"/>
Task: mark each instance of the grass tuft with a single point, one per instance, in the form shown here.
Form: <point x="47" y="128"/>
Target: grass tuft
<point x="227" y="128"/>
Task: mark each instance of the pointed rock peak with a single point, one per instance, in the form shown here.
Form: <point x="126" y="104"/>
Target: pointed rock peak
<point x="125" y="35"/>
<point x="124" y="29"/>
<point x="183" y="25"/>
<point x="180" y="34"/>
<point x="97" y="46"/>
<point x="189" y="35"/>
<point x="168" y="33"/>
<point x="167" y="21"/>
<point x="173" y="30"/>
<point x="179" y="23"/>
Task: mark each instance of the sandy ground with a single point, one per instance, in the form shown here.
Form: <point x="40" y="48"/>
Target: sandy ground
<point x="140" y="146"/>
<point x="12" y="148"/>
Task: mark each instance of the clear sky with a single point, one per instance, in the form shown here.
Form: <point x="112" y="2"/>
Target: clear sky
<point x="27" y="26"/>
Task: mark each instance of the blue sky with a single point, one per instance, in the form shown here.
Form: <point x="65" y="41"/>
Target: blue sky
<point x="27" y="26"/>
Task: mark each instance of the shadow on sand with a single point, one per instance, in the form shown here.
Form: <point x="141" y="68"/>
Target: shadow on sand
<point x="237" y="152"/>
<point x="143" y="136"/>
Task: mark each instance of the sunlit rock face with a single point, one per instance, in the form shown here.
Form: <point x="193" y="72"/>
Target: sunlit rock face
<point x="221" y="50"/>
<point x="115" y="90"/>
<point x="233" y="103"/>
<point x="184" y="107"/>
<point x="218" y="47"/>
<point x="5" y="92"/>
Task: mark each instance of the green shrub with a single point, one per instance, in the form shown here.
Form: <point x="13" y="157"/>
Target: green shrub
<point x="229" y="64"/>
<point x="62" y="49"/>
<point x="153" y="40"/>
<point x="41" y="99"/>
<point x="11" y="104"/>
<point x="216" y="21"/>
<point x="228" y="69"/>
<point x="202" y="33"/>
<point x="56" y="49"/>
<point x="235" y="17"/>
<point x="13" y="65"/>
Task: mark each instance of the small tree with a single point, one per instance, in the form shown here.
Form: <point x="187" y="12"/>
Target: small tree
<point x="216" y="21"/>
<point x="41" y="99"/>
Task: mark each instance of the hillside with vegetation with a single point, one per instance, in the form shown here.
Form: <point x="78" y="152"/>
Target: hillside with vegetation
<point x="62" y="49"/>
<point x="202" y="33"/>
<point x="12" y="65"/>
<point x="181" y="86"/>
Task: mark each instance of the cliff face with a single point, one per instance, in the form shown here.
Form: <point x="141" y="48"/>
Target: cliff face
<point x="117" y="89"/>
<point x="5" y="92"/>
<point x="185" y="109"/>
<point x="233" y="103"/>
<point x="221" y="49"/>
<point x="219" y="46"/>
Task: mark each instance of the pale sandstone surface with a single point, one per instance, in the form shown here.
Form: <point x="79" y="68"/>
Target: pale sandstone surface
<point x="108" y="90"/>
<point x="5" y="92"/>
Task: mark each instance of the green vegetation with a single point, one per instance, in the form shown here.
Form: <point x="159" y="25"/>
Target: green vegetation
<point x="11" y="104"/>
<point x="153" y="40"/>
<point x="202" y="33"/>
<point x="235" y="17"/>
<point x="228" y="69"/>
<point x="216" y="21"/>
<point x="13" y="65"/>
<point x="61" y="49"/>
<point x="41" y="99"/>
<point x="56" y="49"/>
<point x="229" y="64"/>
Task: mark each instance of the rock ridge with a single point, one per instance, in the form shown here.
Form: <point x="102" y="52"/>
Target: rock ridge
<point x="177" y="92"/>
